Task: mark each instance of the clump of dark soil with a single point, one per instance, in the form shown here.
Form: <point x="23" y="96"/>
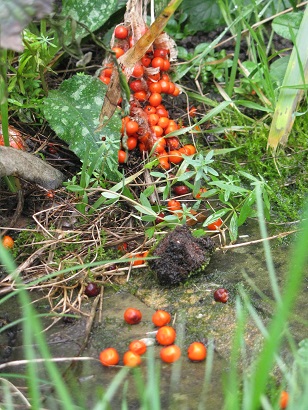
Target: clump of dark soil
<point x="179" y="255"/>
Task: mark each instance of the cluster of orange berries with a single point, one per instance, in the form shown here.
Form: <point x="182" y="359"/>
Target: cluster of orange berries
<point x="165" y="337"/>
<point x="148" y="123"/>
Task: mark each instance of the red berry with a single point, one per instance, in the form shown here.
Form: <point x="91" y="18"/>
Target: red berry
<point x="132" y="316"/>
<point x="181" y="189"/>
<point x="221" y="295"/>
<point x="92" y="289"/>
<point x="120" y="32"/>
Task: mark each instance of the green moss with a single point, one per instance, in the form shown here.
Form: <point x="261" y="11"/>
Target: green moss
<point x="286" y="173"/>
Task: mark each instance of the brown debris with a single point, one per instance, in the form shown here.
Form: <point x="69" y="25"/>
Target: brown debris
<point x="180" y="254"/>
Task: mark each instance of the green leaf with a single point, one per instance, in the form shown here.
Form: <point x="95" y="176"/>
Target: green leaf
<point x="144" y="210"/>
<point x="278" y="69"/>
<point x="149" y="190"/>
<point x="110" y="195"/>
<point x="204" y="15"/>
<point x="73" y="113"/>
<point x="91" y="13"/>
<point x="187" y="175"/>
<point x="144" y="201"/>
<point x="282" y="24"/>
<point x="247" y="209"/>
<point x="150" y="232"/>
<point x="228" y="187"/>
<point x="233" y="227"/>
<point x="216" y="215"/>
<point x="158" y="174"/>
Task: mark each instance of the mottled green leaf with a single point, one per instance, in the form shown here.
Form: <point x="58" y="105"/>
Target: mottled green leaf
<point x="91" y="13"/>
<point x="73" y="113"/>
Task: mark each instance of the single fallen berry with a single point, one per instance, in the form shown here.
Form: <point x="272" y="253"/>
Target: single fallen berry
<point x="221" y="295"/>
<point x="92" y="289"/>
<point x="131" y="359"/>
<point x="161" y="318"/>
<point x="170" y="354"/>
<point x="109" y="357"/>
<point x="196" y="352"/>
<point x="8" y="242"/>
<point x="137" y="346"/>
<point x="132" y="316"/>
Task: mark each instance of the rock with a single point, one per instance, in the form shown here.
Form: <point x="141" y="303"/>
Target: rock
<point x="180" y="254"/>
<point x="29" y="167"/>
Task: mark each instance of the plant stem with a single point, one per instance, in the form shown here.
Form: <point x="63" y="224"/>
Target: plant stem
<point x="10" y="181"/>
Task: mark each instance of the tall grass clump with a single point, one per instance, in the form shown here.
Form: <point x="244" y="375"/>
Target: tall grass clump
<point x="251" y="387"/>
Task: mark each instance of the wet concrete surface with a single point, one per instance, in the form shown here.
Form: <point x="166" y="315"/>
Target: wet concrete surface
<point x="195" y="315"/>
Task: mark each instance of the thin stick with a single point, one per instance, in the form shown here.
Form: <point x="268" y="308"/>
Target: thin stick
<point x="238" y="245"/>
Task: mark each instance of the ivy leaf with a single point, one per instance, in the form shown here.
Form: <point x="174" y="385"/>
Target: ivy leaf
<point x="15" y="15"/>
<point x="73" y="113"/>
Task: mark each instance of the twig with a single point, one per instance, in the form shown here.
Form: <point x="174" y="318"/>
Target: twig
<point x="280" y="235"/>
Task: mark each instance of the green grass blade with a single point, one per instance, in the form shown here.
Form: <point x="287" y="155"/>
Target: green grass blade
<point x="283" y="310"/>
<point x="112" y="389"/>
<point x="289" y="98"/>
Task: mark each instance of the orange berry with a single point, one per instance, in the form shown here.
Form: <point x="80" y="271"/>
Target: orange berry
<point x="153" y="119"/>
<point x="163" y="122"/>
<point x="118" y="51"/>
<point x="161" y="318"/>
<point x="146" y="61"/>
<point x="176" y="91"/>
<point x="137" y="346"/>
<point x="8" y="242"/>
<point x="131" y="127"/>
<point x="104" y="79"/>
<point x="131" y="359"/>
<point x="175" y="157"/>
<point x="155" y="99"/>
<point x="174" y="205"/>
<point x="155" y="88"/>
<point x="131" y="143"/>
<point x="196" y="352"/>
<point x="284" y="399"/>
<point x="121" y="156"/>
<point x="164" y="86"/>
<point x="191" y="149"/>
<point x="166" y="65"/>
<point x="109" y="357"/>
<point x="171" y="88"/>
<point x="163" y="162"/>
<point x="140" y="96"/>
<point x="214" y="226"/>
<point x="158" y="131"/>
<point x="170" y="354"/>
<point x="166" y="335"/>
